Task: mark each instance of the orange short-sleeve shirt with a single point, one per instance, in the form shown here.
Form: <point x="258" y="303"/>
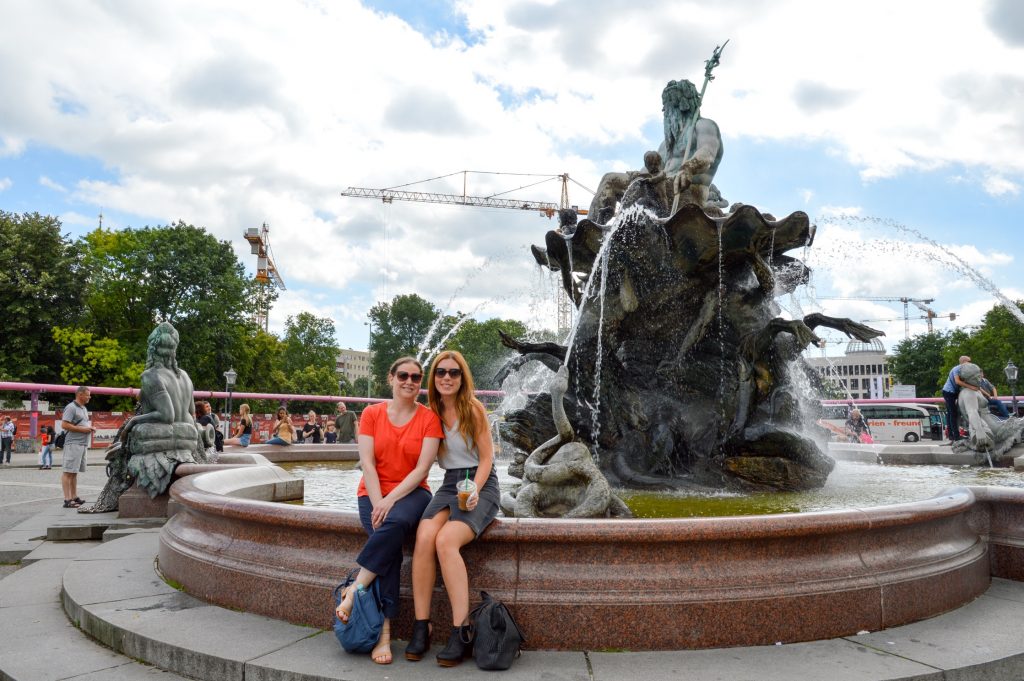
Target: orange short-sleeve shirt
<point x="396" y="450"/>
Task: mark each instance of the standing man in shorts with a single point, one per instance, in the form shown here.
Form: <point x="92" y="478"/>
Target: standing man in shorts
<point x="346" y="424"/>
<point x="76" y="421"/>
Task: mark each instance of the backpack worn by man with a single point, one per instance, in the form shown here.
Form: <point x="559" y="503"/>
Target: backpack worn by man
<point x="497" y="640"/>
<point x="58" y="442"/>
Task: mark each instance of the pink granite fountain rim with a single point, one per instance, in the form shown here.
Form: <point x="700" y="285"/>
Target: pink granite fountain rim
<point x="676" y="583"/>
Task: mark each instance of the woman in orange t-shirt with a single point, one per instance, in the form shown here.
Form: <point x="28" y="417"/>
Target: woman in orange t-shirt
<point x="398" y="442"/>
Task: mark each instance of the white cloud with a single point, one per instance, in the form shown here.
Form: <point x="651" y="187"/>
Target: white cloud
<point x="997" y="185"/>
<point x="50" y="184"/>
<point x="5" y="183"/>
<point x="74" y="219"/>
<point x="268" y="110"/>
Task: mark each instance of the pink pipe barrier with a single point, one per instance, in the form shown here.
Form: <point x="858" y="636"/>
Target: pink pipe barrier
<point x="201" y="394"/>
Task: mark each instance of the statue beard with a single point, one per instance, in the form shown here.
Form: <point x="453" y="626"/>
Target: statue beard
<point x="675" y="124"/>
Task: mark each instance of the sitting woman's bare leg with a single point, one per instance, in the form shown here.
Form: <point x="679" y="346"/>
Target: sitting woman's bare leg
<point x="424" y="565"/>
<point x="424" y="575"/>
<point x="450" y="540"/>
<point x="381" y="653"/>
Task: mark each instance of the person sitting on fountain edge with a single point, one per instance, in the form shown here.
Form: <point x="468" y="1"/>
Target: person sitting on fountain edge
<point x="398" y="442"/>
<point x="243" y="431"/>
<point x="466" y="453"/>
<point x="283" y="430"/>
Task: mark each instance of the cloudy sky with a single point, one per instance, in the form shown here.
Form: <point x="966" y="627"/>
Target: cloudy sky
<point x="897" y="126"/>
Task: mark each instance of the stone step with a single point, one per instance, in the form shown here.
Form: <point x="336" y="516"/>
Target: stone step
<point x="116" y="595"/>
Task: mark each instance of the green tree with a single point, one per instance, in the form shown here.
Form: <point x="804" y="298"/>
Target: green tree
<point x="40" y="286"/>
<point x="97" y="361"/>
<point x="309" y="341"/>
<point x="360" y="388"/>
<point x="481" y="346"/>
<point x="312" y="380"/>
<point x="178" y="273"/>
<point x="919" y="361"/>
<point x="399" y="327"/>
<point x="999" y="338"/>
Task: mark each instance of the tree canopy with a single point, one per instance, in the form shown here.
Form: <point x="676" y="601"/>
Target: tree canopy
<point x="402" y="327"/>
<point x="41" y="285"/>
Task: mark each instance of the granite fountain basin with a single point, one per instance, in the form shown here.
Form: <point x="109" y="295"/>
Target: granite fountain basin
<point x="621" y="584"/>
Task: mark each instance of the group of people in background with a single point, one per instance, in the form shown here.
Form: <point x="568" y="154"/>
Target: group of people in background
<point x="341" y="429"/>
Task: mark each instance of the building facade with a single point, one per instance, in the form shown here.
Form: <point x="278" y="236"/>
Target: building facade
<point x="862" y="373"/>
<point x="354" y="364"/>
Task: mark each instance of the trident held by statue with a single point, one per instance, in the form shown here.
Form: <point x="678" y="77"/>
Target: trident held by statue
<point x="709" y="66"/>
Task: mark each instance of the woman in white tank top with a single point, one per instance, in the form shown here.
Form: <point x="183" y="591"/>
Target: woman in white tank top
<point x="467" y="452"/>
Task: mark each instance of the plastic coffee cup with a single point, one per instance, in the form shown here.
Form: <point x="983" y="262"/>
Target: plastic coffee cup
<point x="465" y="488"/>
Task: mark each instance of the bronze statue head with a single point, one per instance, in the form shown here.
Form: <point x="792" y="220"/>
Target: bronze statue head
<point x="163" y="347"/>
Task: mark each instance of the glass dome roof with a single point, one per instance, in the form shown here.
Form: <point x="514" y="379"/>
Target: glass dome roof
<point x="873" y="346"/>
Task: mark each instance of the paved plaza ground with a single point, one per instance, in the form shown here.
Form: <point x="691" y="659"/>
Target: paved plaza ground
<point x="112" y="591"/>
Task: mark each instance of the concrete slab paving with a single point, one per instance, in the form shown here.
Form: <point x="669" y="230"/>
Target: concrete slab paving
<point x="129" y="671"/>
<point x="16" y="544"/>
<point x="321" y="658"/>
<point x="40" y="644"/>
<point x="101" y="581"/>
<point x="59" y="550"/>
<point x="135" y="544"/>
<point x="180" y="633"/>
<point x="37" y="583"/>
<point x="987" y="629"/>
<point x="835" y="660"/>
<point x="111" y="534"/>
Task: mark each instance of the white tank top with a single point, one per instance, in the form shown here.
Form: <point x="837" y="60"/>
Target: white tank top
<point x="456" y="453"/>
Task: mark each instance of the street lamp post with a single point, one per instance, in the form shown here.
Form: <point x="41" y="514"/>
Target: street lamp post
<point x="369" y="356"/>
<point x="1011" y="376"/>
<point x="230" y="376"/>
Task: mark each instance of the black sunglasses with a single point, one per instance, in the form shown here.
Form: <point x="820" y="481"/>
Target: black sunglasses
<point x="406" y="376"/>
<point x="441" y="372"/>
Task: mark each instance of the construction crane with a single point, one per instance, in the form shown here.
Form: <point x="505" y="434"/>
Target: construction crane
<point x="267" y="277"/>
<point x="919" y="302"/>
<point x="545" y="208"/>
<point x="932" y="315"/>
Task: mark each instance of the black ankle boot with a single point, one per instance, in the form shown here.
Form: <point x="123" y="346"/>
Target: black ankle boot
<point x="460" y="646"/>
<point x="419" y="642"/>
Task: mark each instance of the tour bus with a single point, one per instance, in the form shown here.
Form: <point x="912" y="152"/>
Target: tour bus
<point x="888" y="422"/>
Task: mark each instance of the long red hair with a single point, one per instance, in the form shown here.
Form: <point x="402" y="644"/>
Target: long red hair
<point x="468" y="409"/>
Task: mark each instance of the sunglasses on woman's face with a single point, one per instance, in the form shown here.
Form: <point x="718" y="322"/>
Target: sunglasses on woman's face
<point x="404" y="376"/>
<point x="441" y="372"/>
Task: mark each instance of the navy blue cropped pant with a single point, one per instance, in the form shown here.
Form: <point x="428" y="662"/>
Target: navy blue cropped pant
<point x="382" y="553"/>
